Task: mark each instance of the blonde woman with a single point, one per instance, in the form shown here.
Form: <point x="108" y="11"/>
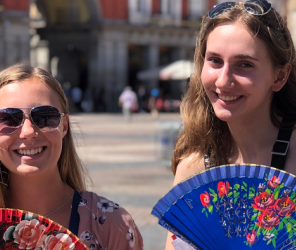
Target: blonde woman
<point x="40" y="169"/>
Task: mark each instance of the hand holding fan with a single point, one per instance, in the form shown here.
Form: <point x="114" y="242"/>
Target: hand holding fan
<point x="233" y="207"/>
<point x="25" y="230"/>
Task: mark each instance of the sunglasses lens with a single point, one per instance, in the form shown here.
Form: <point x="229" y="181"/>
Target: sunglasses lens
<point x="257" y="7"/>
<point x="220" y="8"/>
<point x="46" y="118"/>
<point x="253" y="7"/>
<point x="10" y="120"/>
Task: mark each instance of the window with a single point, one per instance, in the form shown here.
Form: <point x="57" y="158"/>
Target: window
<point x="139" y="5"/>
<point x="197" y="8"/>
<point x="171" y="8"/>
<point x="164" y="6"/>
<point x="139" y="11"/>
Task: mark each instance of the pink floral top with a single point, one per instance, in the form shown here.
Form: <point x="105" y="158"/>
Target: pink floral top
<point x="104" y="225"/>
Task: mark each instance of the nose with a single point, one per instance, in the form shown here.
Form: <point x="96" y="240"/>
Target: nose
<point x="225" y="77"/>
<point x="28" y="129"/>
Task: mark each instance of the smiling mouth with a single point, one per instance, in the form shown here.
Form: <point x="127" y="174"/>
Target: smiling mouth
<point x="29" y="152"/>
<point x="228" y="98"/>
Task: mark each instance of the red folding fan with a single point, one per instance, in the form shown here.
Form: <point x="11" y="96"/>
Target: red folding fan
<point x="25" y="230"/>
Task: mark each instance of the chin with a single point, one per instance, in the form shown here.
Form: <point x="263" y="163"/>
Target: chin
<point x="224" y="116"/>
<point x="28" y="170"/>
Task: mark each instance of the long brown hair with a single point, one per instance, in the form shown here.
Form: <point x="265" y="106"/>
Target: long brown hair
<point x="202" y="131"/>
<point x="70" y="166"/>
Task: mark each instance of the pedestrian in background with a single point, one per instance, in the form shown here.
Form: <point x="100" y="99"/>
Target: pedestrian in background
<point x="240" y="106"/>
<point x="40" y="170"/>
<point x="142" y="99"/>
<point x="128" y="102"/>
<point x="154" y="94"/>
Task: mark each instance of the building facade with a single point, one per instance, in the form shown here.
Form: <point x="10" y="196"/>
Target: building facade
<point x="101" y="45"/>
<point x="142" y="34"/>
<point x="14" y="32"/>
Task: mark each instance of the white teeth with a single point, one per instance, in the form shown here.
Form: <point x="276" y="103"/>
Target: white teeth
<point x="228" y="98"/>
<point x="29" y="151"/>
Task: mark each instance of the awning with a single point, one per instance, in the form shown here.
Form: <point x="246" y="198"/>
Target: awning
<point x="178" y="70"/>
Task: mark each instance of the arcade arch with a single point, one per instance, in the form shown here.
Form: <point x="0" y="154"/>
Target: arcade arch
<point x="65" y="35"/>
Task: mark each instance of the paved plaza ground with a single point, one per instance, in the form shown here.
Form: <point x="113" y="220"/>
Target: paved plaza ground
<point x="127" y="163"/>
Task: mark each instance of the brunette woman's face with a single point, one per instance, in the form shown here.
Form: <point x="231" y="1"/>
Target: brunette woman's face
<point x="28" y="151"/>
<point x="238" y="75"/>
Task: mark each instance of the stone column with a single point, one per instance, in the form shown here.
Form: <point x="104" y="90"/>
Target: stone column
<point x="41" y="55"/>
<point x="95" y="73"/>
<point x="106" y="72"/>
<point x="121" y="69"/>
<point x="14" y="40"/>
<point x="113" y="65"/>
<point x="3" y="43"/>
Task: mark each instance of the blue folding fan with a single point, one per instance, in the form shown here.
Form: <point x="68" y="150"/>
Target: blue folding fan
<point x="233" y="207"/>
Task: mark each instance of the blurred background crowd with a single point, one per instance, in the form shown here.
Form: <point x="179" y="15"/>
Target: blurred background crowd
<point x="95" y="48"/>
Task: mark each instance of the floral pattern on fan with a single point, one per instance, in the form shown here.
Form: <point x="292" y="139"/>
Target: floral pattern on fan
<point x="25" y="230"/>
<point x="253" y="212"/>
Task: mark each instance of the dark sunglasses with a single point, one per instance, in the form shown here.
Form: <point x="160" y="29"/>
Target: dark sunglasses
<point x="253" y="7"/>
<point x="45" y="118"/>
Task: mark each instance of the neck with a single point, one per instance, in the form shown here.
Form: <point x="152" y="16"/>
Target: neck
<point x="253" y="141"/>
<point x="37" y="195"/>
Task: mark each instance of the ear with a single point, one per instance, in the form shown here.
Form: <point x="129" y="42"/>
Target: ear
<point x="281" y="77"/>
<point x="65" y="124"/>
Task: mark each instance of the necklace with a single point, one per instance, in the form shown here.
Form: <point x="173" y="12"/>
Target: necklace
<point x="57" y="209"/>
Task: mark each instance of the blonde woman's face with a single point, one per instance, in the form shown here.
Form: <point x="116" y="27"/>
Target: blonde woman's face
<point x="28" y="151"/>
<point x="238" y="75"/>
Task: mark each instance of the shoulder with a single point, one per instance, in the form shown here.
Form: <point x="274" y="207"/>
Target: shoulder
<point x="189" y="166"/>
<point x="106" y="224"/>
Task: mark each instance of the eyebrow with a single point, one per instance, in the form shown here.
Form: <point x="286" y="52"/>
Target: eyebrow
<point x="240" y="56"/>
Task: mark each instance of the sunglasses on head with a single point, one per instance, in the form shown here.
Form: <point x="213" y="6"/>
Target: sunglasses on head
<point x="253" y="7"/>
<point x="45" y="118"/>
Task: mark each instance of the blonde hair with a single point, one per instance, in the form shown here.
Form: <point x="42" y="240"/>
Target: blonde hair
<point x="70" y="166"/>
<point x="202" y="131"/>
